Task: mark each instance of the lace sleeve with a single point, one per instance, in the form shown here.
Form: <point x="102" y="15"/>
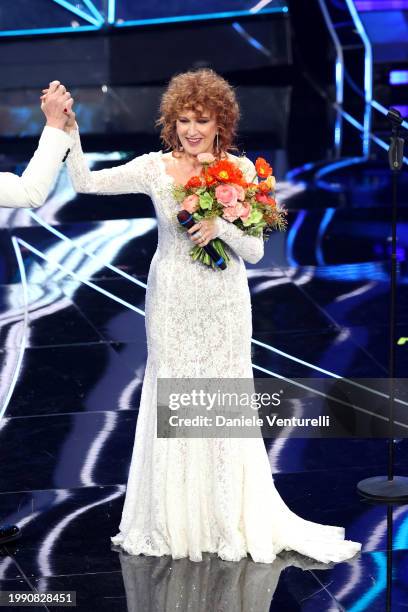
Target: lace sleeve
<point x="250" y="248"/>
<point x="132" y="177"/>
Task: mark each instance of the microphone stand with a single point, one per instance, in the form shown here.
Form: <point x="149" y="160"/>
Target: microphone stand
<point x="390" y="488"/>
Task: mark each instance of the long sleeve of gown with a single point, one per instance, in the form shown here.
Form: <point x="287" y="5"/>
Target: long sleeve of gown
<point x="131" y="177"/>
<point x="31" y="189"/>
<point x="250" y="248"/>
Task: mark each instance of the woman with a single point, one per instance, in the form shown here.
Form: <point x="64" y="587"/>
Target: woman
<point x="187" y="496"/>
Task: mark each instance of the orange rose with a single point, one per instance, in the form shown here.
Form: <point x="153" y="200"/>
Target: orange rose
<point x="263" y="169"/>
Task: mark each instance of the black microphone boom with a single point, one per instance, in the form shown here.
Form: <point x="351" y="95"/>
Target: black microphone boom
<point x="186" y="219"/>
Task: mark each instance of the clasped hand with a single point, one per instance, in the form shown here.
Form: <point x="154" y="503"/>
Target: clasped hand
<point x="56" y="104"/>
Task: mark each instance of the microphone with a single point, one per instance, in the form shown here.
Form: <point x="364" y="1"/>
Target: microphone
<point x="186" y="219"/>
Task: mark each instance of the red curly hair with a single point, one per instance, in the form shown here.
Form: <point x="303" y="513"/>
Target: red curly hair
<point x="197" y="90"/>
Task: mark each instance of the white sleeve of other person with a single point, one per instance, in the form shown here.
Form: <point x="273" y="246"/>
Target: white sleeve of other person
<point x="31" y="189"/>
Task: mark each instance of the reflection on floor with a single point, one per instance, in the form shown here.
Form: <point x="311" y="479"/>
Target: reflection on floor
<point x="320" y="302"/>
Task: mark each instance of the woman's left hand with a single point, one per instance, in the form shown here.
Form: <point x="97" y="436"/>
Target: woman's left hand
<point x="202" y="232"/>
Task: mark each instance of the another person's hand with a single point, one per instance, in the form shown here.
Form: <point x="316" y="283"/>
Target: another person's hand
<point x="208" y="230"/>
<point x="56" y="104"/>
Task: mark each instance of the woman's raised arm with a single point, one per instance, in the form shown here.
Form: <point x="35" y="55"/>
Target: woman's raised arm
<point x="132" y="177"/>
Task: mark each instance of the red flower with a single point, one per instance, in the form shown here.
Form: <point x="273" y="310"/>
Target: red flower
<point x="225" y="171"/>
<point x="243" y="183"/>
<point x="263" y="169"/>
<point x="262" y="198"/>
<point x="210" y="180"/>
<point x="194" y="181"/>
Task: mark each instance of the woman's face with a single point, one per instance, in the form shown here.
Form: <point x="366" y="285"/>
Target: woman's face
<point x="196" y="132"/>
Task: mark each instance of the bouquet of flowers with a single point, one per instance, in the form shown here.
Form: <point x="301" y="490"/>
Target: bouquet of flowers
<point x="221" y="190"/>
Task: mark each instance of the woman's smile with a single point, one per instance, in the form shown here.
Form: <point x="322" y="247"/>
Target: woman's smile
<point x="193" y="141"/>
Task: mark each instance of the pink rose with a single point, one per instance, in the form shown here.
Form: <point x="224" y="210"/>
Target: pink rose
<point x="230" y="213"/>
<point x="190" y="203"/>
<point x="205" y="158"/>
<point x="226" y="195"/>
<point x="243" y="209"/>
<point x="240" y="192"/>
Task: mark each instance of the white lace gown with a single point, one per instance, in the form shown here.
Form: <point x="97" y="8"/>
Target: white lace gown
<point x="189" y="495"/>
